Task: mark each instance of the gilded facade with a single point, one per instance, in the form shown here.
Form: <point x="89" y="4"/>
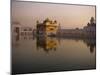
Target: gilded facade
<point x="48" y="27"/>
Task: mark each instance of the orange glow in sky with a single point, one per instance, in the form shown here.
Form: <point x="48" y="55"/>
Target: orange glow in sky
<point x="69" y="16"/>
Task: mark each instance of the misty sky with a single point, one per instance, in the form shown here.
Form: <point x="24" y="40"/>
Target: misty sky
<point x="69" y="16"/>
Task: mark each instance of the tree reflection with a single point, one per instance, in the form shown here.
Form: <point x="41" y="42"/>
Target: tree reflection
<point x="91" y="43"/>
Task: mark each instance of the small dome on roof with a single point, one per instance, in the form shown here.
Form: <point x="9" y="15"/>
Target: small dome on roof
<point x="47" y="20"/>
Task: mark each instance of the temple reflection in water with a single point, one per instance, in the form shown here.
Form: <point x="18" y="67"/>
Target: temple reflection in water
<point x="47" y="43"/>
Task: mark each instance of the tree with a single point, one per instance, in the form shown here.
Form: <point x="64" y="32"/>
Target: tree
<point x="37" y="21"/>
<point x="92" y="20"/>
<point x="88" y="24"/>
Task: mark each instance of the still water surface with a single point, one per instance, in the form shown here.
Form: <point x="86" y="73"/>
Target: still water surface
<point x="46" y="54"/>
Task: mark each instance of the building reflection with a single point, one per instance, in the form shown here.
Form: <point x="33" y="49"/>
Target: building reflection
<point x="17" y="38"/>
<point x="47" y="43"/>
<point x="15" y="41"/>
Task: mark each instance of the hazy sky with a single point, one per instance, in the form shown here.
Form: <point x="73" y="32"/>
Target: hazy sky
<point x="69" y="16"/>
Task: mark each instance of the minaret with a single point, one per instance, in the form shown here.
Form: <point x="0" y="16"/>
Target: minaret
<point x="59" y="27"/>
<point x="59" y="32"/>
